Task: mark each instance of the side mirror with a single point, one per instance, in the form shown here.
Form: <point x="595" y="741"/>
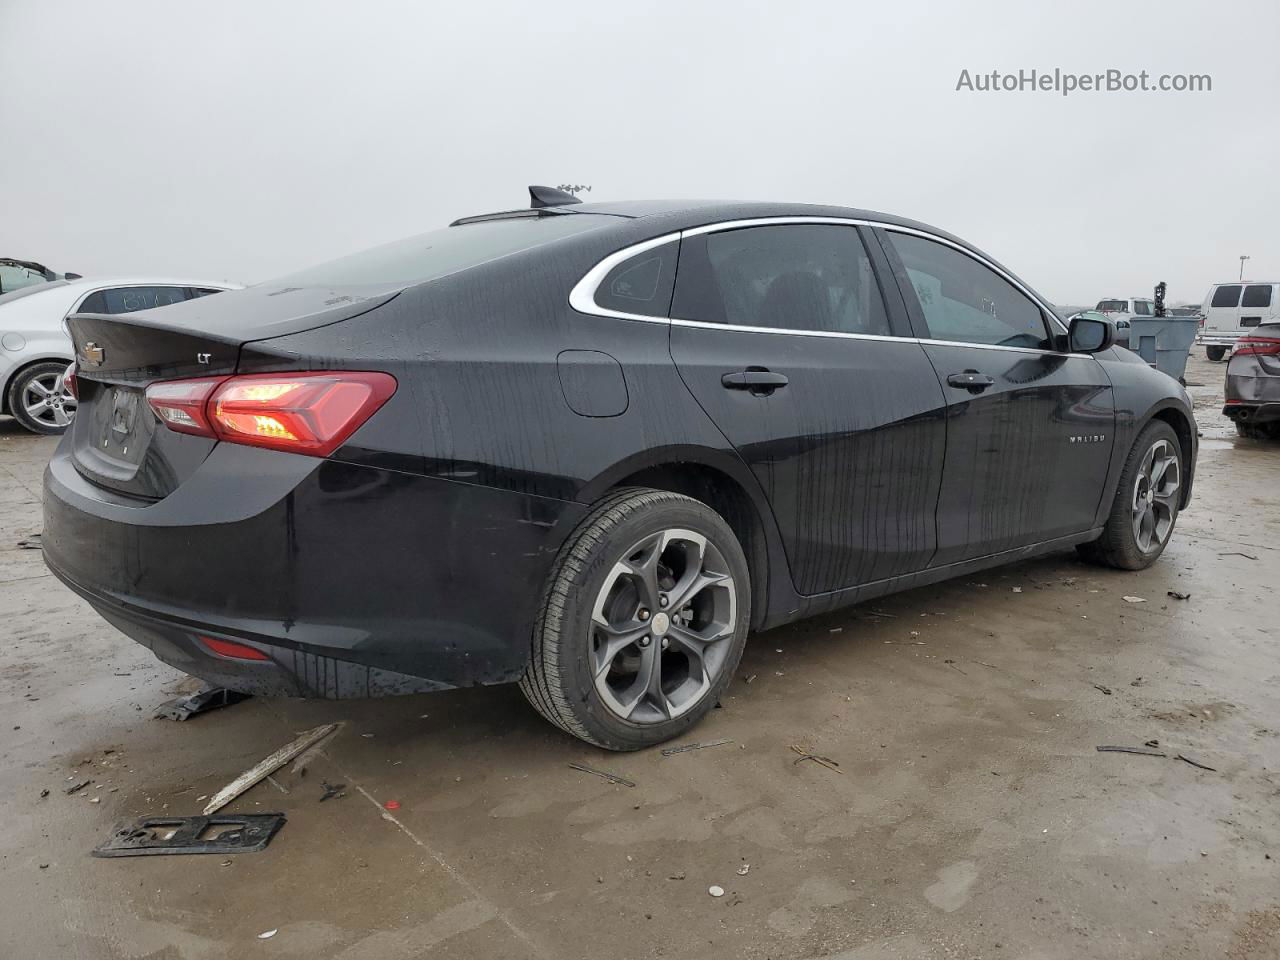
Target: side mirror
<point x="1090" y="335"/>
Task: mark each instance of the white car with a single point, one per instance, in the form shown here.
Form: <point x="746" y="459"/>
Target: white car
<point x="35" y="349"/>
<point x="1231" y="310"/>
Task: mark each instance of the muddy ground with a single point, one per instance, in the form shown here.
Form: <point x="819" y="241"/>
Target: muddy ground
<point x="970" y="815"/>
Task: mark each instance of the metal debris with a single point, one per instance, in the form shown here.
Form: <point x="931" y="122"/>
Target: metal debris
<point x="1141" y="751"/>
<point x="31" y="543"/>
<point x="1106" y="690"/>
<point x="1186" y="759"/>
<point x="1179" y="596"/>
<point x="261" y="770"/>
<point x="77" y="787"/>
<point x="332" y="791"/>
<point x="685" y="748"/>
<point x="604" y="774"/>
<point x="823" y="761"/>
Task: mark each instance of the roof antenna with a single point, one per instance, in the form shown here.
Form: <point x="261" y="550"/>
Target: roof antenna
<point x="549" y="197"/>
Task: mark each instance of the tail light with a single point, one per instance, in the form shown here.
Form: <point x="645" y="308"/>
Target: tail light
<point x="312" y="412"/>
<point x="1257" y="347"/>
<point x="229" y="648"/>
<point x="69" y="381"/>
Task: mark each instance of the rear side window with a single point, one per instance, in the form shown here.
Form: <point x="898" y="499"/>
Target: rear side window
<point x="197" y="292"/>
<point x="132" y="299"/>
<point x="1226" y="296"/>
<point x="641" y="284"/>
<point x="431" y="256"/>
<point x="14" y="277"/>
<point x="794" y="277"/>
<point x="1141" y="308"/>
<point x="966" y="301"/>
<point x="1256" y="295"/>
<point x="1113" y="306"/>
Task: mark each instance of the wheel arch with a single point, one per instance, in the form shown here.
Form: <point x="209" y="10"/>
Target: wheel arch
<point x="724" y="483"/>
<point x="17" y="371"/>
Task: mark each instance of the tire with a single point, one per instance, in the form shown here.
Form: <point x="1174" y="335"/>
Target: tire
<point x="42" y="383"/>
<point x="641" y="684"/>
<point x="1215" y="353"/>
<point x="1120" y="545"/>
<point x="1258" y="431"/>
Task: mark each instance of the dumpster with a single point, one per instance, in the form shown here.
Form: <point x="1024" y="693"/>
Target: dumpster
<point x="1164" y="342"/>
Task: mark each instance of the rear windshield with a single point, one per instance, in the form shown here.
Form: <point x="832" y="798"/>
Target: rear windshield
<point x="1113" y="306"/>
<point x="430" y="256"/>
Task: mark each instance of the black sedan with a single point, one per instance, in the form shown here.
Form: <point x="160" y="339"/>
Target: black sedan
<point x="589" y="447"/>
<point x="1253" y="384"/>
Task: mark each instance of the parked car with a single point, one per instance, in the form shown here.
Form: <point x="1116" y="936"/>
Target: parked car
<point x="16" y="274"/>
<point x="1121" y="324"/>
<point x="36" y="350"/>
<point x="526" y="447"/>
<point x="1231" y="310"/>
<point x="1253" y="383"/>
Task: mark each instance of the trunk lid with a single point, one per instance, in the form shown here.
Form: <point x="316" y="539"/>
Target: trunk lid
<point x="116" y="440"/>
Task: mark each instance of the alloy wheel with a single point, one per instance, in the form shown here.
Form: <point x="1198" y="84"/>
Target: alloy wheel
<point x="1155" y="494"/>
<point x="46" y="399"/>
<point x="662" y="626"/>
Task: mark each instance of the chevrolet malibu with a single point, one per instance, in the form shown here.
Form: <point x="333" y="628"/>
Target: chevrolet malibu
<point x="589" y="447"/>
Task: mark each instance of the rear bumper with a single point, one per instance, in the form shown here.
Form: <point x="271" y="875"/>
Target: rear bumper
<point x="1252" y="412"/>
<point x="1217" y="339"/>
<point x="355" y="581"/>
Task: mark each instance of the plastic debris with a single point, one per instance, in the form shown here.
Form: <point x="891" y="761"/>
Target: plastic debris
<point x="1135" y="599"/>
<point x="715" y="891"/>
<point x="267" y="934"/>
<point x="744" y="869"/>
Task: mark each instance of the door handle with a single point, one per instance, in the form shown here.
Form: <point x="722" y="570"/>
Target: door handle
<point x="759" y="381"/>
<point x="970" y="380"/>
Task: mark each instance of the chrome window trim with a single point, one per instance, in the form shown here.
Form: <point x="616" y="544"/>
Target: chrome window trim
<point x="582" y="296"/>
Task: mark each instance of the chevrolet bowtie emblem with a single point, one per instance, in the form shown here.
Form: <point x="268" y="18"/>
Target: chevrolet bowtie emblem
<point x="93" y="355"/>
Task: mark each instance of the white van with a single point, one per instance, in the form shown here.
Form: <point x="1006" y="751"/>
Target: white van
<point x="1230" y="309"/>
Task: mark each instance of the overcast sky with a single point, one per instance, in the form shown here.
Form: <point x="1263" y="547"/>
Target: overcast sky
<point x="241" y="140"/>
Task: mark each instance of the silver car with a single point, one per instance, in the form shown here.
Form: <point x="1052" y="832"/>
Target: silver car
<point x="35" y="349"/>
